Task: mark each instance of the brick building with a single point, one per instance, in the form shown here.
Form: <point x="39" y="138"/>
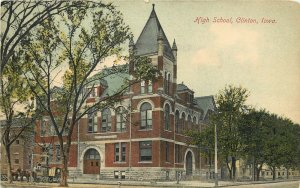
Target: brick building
<point x="20" y="150"/>
<point x="143" y="136"/>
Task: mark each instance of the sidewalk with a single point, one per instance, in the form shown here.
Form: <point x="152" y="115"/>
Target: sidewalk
<point x="82" y="183"/>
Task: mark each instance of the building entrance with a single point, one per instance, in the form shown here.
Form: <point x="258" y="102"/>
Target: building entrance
<point x="189" y="163"/>
<point x="91" y="163"/>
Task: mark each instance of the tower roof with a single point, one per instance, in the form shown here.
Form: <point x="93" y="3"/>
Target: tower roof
<point x="147" y="42"/>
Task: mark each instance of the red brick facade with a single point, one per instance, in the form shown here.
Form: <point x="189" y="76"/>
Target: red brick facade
<point x="135" y="152"/>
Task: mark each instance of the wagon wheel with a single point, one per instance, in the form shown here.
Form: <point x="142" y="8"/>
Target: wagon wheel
<point x="3" y="177"/>
<point x="44" y="179"/>
<point x="50" y="179"/>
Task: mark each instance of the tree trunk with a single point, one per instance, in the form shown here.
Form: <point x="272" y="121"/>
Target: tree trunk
<point x="258" y="172"/>
<point x="233" y="168"/>
<point x="229" y="169"/>
<point x="274" y="173"/>
<point x="9" y="169"/>
<point x="64" y="173"/>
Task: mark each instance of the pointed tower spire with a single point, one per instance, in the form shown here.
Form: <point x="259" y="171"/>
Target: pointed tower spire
<point x="174" y="50"/>
<point x="174" y="46"/>
<point x="147" y="42"/>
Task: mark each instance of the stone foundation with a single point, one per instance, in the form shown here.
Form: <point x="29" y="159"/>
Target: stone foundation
<point x="138" y="174"/>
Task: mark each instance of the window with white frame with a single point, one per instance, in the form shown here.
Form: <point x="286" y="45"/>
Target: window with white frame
<point x="146" y="151"/>
<point x="183" y="121"/>
<point x="120" y="152"/>
<point x="177" y="122"/>
<point x="121" y="119"/>
<point x="143" y="84"/>
<point x="92" y="121"/>
<point x="106" y="120"/>
<point x="167" y="117"/>
<point x="146" y="116"/>
<point x="93" y="92"/>
<point x="57" y="152"/>
<point x="146" y="86"/>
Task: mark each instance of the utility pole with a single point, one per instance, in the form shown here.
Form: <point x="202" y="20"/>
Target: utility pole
<point x="216" y="156"/>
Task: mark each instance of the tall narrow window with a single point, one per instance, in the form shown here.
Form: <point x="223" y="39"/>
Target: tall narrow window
<point x="93" y="92"/>
<point x="120" y="152"/>
<point x="189" y="122"/>
<point x="146" y="151"/>
<point x="177" y="153"/>
<point x="106" y="120"/>
<point x="167" y="152"/>
<point x="167" y="117"/>
<point x="50" y="152"/>
<point x="57" y="152"/>
<point x="121" y="119"/>
<point x="92" y="121"/>
<point x="183" y="121"/>
<point x="177" y="122"/>
<point x="146" y="116"/>
<point x="44" y="124"/>
<point x="150" y="86"/>
<point x="143" y="83"/>
<point x="123" y="152"/>
<point x="117" y="152"/>
<point x="168" y="83"/>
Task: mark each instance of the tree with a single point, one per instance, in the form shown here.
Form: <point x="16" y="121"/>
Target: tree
<point x="204" y="139"/>
<point x="79" y="40"/>
<point x="18" y="121"/>
<point x="18" y="20"/>
<point x="253" y="135"/>
<point x="231" y="107"/>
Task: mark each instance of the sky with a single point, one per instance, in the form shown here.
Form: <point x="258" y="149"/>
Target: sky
<point x="262" y="57"/>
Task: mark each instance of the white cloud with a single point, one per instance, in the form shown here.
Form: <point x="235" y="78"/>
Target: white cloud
<point x="239" y="44"/>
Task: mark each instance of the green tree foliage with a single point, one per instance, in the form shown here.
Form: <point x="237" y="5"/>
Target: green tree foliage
<point x="17" y="106"/>
<point x="231" y="107"/>
<point x="73" y="45"/>
<point x="253" y="131"/>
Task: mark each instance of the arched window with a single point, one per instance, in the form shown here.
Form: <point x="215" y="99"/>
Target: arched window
<point x="121" y="119"/>
<point x="106" y="120"/>
<point x="167" y="117"/>
<point x="194" y="120"/>
<point x="146" y="116"/>
<point x="183" y="121"/>
<point x="177" y="122"/>
<point x="189" y="121"/>
<point x="166" y="82"/>
<point x="92" y="121"/>
<point x="92" y="154"/>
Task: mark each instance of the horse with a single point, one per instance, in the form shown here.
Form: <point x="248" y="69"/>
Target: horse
<point x="21" y="173"/>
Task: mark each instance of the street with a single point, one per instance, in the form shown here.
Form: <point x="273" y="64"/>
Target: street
<point x="293" y="184"/>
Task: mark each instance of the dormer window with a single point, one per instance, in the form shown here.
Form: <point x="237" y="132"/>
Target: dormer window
<point x="146" y="86"/>
<point x="93" y="92"/>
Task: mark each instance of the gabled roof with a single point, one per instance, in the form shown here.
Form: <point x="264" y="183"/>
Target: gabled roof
<point x="147" y="42"/>
<point x="207" y="103"/>
<point x="182" y="87"/>
<point x="112" y="80"/>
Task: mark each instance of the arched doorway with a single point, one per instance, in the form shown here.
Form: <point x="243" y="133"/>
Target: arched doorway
<point x="189" y="163"/>
<point x="91" y="162"/>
